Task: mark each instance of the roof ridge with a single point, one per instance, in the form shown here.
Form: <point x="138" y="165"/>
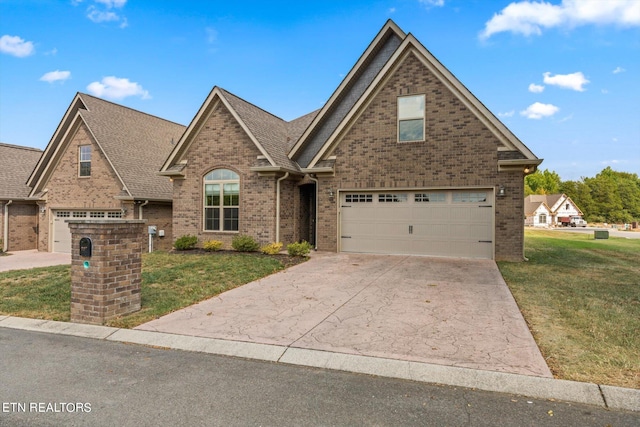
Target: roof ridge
<point x="253" y="105"/>
<point x="131" y="109"/>
<point x="22" y="147"/>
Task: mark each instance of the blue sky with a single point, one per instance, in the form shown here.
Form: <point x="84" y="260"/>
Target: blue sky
<point x="563" y="75"/>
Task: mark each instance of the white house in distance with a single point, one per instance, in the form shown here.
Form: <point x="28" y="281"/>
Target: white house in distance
<point x="543" y="210"/>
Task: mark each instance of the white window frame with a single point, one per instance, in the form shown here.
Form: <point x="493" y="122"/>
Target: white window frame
<point x="407" y="116"/>
<point x="84" y="158"/>
<point x="226" y="177"/>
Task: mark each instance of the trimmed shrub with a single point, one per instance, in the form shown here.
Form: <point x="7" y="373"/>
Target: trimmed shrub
<point x="299" y="249"/>
<point x="212" y="245"/>
<point x="186" y="242"/>
<point x="244" y="243"/>
<point x="271" y="248"/>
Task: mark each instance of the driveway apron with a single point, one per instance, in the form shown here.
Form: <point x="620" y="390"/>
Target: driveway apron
<point x="455" y="312"/>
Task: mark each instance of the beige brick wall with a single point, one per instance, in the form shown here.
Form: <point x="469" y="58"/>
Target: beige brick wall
<point x="459" y="151"/>
<point x="23" y="226"/>
<point x="222" y="143"/>
<point x="159" y="214"/>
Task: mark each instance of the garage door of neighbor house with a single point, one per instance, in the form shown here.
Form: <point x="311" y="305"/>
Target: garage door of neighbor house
<point x="61" y="233"/>
<point x="451" y="223"/>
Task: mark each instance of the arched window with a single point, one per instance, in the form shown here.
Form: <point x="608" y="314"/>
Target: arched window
<point x="542" y="219"/>
<point x="221" y="200"/>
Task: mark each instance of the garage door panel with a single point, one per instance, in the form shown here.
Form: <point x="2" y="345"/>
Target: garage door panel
<point x="455" y="223"/>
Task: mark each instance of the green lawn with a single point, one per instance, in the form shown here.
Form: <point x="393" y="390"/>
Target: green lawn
<point x="169" y="282"/>
<point x="581" y="299"/>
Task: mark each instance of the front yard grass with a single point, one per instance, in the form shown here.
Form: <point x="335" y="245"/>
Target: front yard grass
<point x="581" y="299"/>
<point x="169" y="282"/>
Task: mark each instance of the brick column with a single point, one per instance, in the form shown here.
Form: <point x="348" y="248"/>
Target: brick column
<point x="106" y="284"/>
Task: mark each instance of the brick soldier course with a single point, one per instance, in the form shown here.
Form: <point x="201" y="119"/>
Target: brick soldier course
<point x="109" y="285"/>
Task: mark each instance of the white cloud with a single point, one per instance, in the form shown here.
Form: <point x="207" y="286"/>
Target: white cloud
<point x="16" y="46"/>
<point x="618" y="70"/>
<point x="538" y="110"/>
<point x="535" y="88"/>
<point x="55" y="76"/>
<point x="531" y="17"/>
<point x="98" y="16"/>
<point x="507" y="114"/>
<point x="112" y="3"/>
<point x="431" y="3"/>
<point x="117" y="88"/>
<point x="574" y="81"/>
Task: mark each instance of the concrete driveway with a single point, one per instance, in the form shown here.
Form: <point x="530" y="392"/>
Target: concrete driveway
<point x="455" y="312"/>
<point x="20" y="260"/>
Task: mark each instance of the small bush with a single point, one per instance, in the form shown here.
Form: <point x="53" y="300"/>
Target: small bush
<point x="271" y="248"/>
<point x="185" y="242"/>
<point x="244" y="243"/>
<point x="299" y="249"/>
<point x="212" y="245"/>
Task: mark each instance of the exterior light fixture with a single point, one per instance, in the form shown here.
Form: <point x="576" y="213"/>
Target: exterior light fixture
<point x="501" y="191"/>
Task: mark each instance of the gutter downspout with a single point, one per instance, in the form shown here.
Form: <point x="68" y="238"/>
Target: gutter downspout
<point x="145" y="203"/>
<point x="5" y="240"/>
<point x="315" y="225"/>
<point x="285" y="176"/>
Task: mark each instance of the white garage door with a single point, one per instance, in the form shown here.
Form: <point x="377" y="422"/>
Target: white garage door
<point x="452" y="223"/>
<point x="62" y="234"/>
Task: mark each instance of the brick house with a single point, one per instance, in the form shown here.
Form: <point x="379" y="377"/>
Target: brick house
<point x="402" y="159"/>
<point x="102" y="162"/>
<point x="18" y="224"/>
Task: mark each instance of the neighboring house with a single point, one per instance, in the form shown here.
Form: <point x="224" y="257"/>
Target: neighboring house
<point x="537" y="213"/>
<point x="18" y="214"/>
<point x="555" y="205"/>
<point x="402" y="159"/>
<point x="102" y="163"/>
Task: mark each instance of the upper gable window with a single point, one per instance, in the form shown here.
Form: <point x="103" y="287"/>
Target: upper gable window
<point x="221" y="200"/>
<point x="411" y="118"/>
<point x="84" y="160"/>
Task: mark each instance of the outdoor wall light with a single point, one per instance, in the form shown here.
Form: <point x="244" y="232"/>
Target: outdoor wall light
<point x="43" y="209"/>
<point x="330" y="192"/>
<point x="501" y="191"/>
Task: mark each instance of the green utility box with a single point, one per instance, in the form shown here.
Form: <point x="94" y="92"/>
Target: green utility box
<point x="601" y="234"/>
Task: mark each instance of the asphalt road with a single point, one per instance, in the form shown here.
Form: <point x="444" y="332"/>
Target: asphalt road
<point x="51" y="380"/>
<point x="589" y="230"/>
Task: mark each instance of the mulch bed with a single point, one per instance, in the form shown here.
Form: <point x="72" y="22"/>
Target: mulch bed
<point x="285" y="259"/>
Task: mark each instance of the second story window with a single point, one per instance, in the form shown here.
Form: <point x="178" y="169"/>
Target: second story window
<point x="411" y="118"/>
<point x="85" y="160"/>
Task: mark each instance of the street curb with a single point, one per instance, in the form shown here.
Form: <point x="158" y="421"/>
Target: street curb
<point x="535" y="387"/>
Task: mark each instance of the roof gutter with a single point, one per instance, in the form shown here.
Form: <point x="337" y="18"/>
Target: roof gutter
<point x="145" y="203"/>
<point x="5" y="240"/>
<point x="285" y="176"/>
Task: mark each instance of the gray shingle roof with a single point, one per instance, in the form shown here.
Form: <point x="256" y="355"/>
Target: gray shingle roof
<point x="16" y="164"/>
<point x="274" y="134"/>
<point x="136" y="143"/>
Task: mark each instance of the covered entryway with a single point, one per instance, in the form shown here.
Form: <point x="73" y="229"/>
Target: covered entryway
<point x="449" y="223"/>
<point x="61" y="238"/>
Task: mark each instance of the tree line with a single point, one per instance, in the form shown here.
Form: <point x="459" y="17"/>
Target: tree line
<point x="610" y="196"/>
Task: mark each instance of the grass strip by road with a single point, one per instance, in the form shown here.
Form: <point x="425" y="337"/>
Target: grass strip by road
<point x="170" y="281"/>
<point x="581" y="299"/>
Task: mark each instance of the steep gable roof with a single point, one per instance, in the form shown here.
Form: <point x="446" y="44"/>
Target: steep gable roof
<point x="272" y="135"/>
<point x="134" y="143"/>
<point x="16" y="164"/>
<point x="348" y="92"/>
<point x="531" y="206"/>
<point x="550" y="200"/>
<point x="410" y="45"/>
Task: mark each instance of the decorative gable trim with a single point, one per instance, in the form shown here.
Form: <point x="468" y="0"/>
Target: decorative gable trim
<point x="65" y="131"/>
<point x="215" y="98"/>
<point x="411" y="45"/>
<point x="390" y="27"/>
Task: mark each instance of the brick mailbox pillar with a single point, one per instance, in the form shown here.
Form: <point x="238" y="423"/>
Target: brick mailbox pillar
<point x="106" y="268"/>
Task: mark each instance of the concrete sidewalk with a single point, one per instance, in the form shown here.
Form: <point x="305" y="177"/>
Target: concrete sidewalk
<point x="535" y="387"/>
<point x="21" y="260"/>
